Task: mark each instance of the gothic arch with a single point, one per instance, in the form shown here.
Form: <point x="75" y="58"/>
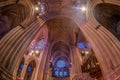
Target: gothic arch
<point x="108" y="15"/>
<point x="11" y="16"/>
<point x="60" y="49"/>
<point x="99" y="37"/>
<point x="30" y="70"/>
<point x="20" y="67"/>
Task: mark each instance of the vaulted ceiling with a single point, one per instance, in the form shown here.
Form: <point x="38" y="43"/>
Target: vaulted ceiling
<point x="64" y="29"/>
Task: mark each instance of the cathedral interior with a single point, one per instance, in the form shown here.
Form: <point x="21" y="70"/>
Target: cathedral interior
<point x="59" y="39"/>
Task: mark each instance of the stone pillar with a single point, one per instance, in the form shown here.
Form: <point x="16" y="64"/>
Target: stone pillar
<point x="42" y="66"/>
<point x="76" y="64"/>
<point x="104" y="43"/>
<point x="33" y="74"/>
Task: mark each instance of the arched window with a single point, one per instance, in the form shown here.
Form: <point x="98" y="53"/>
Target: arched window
<point x="20" y="68"/>
<point x="41" y="43"/>
<point x="29" y="71"/>
<point x="43" y="8"/>
<point x="61" y="69"/>
<point x="36" y="47"/>
<point x="29" y="68"/>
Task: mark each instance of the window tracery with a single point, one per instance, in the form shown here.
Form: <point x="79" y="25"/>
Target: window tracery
<point x="61" y="69"/>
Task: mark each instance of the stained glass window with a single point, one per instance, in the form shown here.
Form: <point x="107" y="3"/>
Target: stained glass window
<point x="60" y="63"/>
<point x="60" y="69"/>
<point x="56" y="73"/>
<point x="41" y="44"/>
<point x="29" y="69"/>
<point x="42" y="8"/>
<point x="65" y="73"/>
<point x="21" y="66"/>
<point x="81" y="45"/>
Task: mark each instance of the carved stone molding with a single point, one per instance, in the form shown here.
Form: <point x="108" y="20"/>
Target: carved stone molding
<point x="116" y="74"/>
<point x="4" y="74"/>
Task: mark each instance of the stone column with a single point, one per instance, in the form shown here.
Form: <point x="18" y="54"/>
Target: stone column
<point x="76" y="64"/>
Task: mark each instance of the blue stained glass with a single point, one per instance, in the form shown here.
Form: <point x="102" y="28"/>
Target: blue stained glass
<point x="60" y="69"/>
<point x="29" y="68"/>
<point x="42" y="8"/>
<point x="81" y="45"/>
<point x="21" y="66"/>
<point x="60" y="63"/>
<point x="41" y="44"/>
<point x="56" y="73"/>
<point x="65" y="73"/>
<point x="61" y="74"/>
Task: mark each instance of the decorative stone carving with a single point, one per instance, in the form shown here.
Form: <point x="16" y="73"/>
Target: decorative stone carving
<point x="4" y="74"/>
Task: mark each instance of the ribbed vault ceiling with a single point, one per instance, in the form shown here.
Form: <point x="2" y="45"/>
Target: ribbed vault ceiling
<point x="64" y="29"/>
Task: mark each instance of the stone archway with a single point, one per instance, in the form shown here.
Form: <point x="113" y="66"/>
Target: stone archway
<point x="109" y="16"/>
<point x="11" y="16"/>
<point x="63" y="30"/>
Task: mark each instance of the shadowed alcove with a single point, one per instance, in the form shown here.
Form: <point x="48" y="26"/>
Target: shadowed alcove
<point x="109" y="16"/>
